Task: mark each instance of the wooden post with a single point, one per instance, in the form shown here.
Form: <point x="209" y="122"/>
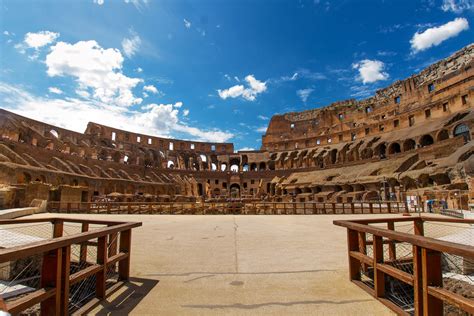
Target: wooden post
<point x="363" y="247"/>
<point x="418" y="227"/>
<point x="334" y="208"/>
<point x="65" y="271"/>
<point x="83" y="251"/>
<point x="354" y="264"/>
<point x="379" y="280"/>
<point x="352" y="208"/>
<point x="432" y="276"/>
<point x="389" y="207"/>
<point x="343" y="208"/>
<point x="51" y="277"/>
<point x="108" y="208"/>
<point x="102" y="260"/>
<point x="392" y="250"/>
<point x="58" y="228"/>
<point x="125" y="247"/>
<point x="68" y="208"/>
<point x="417" y="281"/>
<point x="371" y="208"/>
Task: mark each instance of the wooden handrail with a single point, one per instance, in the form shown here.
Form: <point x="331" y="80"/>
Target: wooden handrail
<point x="421" y="241"/>
<point x="37" y="247"/>
<point x="426" y="262"/>
<point x="56" y="280"/>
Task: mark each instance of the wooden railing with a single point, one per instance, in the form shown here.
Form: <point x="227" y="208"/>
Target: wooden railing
<point x="99" y="249"/>
<point x="273" y="208"/>
<point x="377" y="271"/>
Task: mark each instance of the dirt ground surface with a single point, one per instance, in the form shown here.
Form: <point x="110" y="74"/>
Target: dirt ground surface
<point x="238" y="265"/>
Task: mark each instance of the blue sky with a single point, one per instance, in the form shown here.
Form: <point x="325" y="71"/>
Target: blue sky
<point x="212" y="70"/>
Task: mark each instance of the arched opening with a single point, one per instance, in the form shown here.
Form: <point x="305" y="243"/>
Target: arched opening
<point x="116" y="156"/>
<point x="382" y="151"/>
<point x="200" y="189"/>
<point x="23" y="178"/>
<point x="253" y="167"/>
<point x="102" y="155"/>
<point x="462" y="130"/>
<point x="245" y="167"/>
<point x="234" y="168"/>
<point x="213" y="167"/>
<point x="54" y="133"/>
<point x="170" y="164"/>
<point x="223" y="167"/>
<point x="203" y="158"/>
<point x="442" y="135"/>
<point x="409" y="144"/>
<point x="394" y="148"/>
<point x="262" y="166"/>
<point x="426" y="140"/>
<point x="234" y="190"/>
<point x="333" y="156"/>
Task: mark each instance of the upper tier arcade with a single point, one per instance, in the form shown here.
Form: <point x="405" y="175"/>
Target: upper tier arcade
<point x="445" y="85"/>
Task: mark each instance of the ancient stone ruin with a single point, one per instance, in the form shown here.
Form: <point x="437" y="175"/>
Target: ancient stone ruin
<point x="410" y="141"/>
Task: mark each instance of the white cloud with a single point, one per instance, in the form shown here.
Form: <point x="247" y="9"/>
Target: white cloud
<point x="246" y="149"/>
<point x="185" y="112"/>
<point x="304" y="94"/>
<point x="457" y="6"/>
<point x="436" y="35"/>
<point x="137" y="3"/>
<point x="370" y="71"/>
<point x="36" y="41"/>
<point x="150" y="88"/>
<point x="55" y="90"/>
<point x="262" y="129"/>
<point x="40" y="39"/>
<point x="94" y="68"/>
<point x="187" y="24"/>
<point x="254" y="88"/>
<point x="139" y="70"/>
<point x="154" y="119"/>
<point x="263" y="117"/>
<point x="131" y="45"/>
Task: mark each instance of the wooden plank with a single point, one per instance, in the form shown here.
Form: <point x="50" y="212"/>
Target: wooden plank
<point x="34" y="248"/>
<point x="454" y="299"/>
<point x="421" y="241"/>
<point x="362" y="258"/>
<point x="125" y="247"/>
<point x="30" y="299"/>
<point x="83" y="248"/>
<point x="392" y="250"/>
<point x="65" y="286"/>
<point x="417" y="281"/>
<point x="432" y="276"/>
<point x="396" y="273"/>
<point x="379" y="280"/>
<point x="84" y="273"/>
<point x="51" y="278"/>
<point x="101" y="274"/>
<point x="352" y="246"/>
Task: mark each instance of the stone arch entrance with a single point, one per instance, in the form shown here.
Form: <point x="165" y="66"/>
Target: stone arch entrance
<point x="235" y="190"/>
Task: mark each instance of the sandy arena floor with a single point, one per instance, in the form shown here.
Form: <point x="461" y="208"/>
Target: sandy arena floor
<point x="239" y="265"/>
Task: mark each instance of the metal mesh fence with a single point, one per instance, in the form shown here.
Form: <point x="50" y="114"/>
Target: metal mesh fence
<point x="20" y="277"/>
<point x="457" y="271"/>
